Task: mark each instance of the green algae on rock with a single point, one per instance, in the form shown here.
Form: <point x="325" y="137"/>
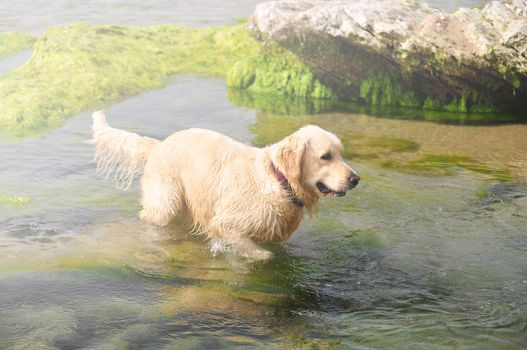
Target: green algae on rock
<point x="387" y="90"/>
<point x="79" y="67"/>
<point x="12" y="42"/>
<point x="406" y="154"/>
<point x="277" y="72"/>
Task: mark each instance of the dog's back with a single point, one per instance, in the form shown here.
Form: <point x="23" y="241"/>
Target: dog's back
<point x="194" y="168"/>
<point x="204" y="166"/>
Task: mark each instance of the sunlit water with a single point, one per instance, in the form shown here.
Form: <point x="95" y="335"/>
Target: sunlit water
<point x="415" y="257"/>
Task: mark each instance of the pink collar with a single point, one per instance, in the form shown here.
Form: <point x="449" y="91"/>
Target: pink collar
<point x="287" y="186"/>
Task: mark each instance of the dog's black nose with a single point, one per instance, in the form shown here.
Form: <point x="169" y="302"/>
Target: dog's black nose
<point x="353" y="180"/>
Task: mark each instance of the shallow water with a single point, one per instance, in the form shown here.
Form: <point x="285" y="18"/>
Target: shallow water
<point x="428" y="252"/>
<point x="14" y="61"/>
<point x="413" y="259"/>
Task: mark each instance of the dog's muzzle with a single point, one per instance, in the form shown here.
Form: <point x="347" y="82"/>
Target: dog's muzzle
<point x="353" y="181"/>
<point x="326" y="190"/>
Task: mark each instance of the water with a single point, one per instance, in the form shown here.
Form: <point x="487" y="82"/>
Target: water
<point x="428" y="252"/>
<point x="36" y="16"/>
<point x="14" y="61"/>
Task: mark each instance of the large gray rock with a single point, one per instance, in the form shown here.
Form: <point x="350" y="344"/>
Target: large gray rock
<point x="407" y="53"/>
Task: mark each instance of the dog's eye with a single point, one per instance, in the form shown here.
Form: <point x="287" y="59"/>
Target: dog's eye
<point x="326" y="156"/>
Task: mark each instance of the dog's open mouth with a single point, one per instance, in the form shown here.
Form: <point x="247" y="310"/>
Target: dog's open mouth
<point x="326" y="190"/>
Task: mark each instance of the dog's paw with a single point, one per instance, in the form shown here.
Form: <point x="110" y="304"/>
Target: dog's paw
<point x="260" y="255"/>
<point x="247" y="248"/>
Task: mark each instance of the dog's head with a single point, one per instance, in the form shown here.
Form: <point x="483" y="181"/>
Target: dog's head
<point x="311" y="160"/>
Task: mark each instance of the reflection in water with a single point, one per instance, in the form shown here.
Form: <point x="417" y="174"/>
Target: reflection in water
<point x="426" y="254"/>
<point x="285" y="105"/>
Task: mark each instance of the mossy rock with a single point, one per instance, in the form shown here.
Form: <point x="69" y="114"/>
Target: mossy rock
<point x="275" y="71"/>
<point x="471" y="61"/>
<point x="11" y="42"/>
<point x="79" y="67"/>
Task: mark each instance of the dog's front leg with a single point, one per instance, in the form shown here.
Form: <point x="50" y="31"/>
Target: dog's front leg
<point x="248" y="248"/>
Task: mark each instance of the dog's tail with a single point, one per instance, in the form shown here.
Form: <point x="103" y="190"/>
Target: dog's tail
<point x="119" y="152"/>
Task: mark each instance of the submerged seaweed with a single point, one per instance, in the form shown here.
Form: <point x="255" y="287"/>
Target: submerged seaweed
<point x="398" y="153"/>
<point x="14" y="202"/>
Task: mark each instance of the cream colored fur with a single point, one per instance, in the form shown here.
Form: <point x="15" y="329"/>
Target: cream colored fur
<point x="119" y="152"/>
<point x="228" y="189"/>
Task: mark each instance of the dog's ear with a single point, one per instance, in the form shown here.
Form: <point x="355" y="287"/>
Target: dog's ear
<point x="289" y="154"/>
<point x="289" y="157"/>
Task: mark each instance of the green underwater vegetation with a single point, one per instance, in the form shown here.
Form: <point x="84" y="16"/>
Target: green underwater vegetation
<point x="441" y="164"/>
<point x="395" y="153"/>
<point x="14" y="202"/>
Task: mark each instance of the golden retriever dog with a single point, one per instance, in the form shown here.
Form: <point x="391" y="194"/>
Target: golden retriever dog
<point x="230" y="190"/>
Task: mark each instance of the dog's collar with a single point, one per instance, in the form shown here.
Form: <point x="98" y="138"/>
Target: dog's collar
<point x="287" y="186"/>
